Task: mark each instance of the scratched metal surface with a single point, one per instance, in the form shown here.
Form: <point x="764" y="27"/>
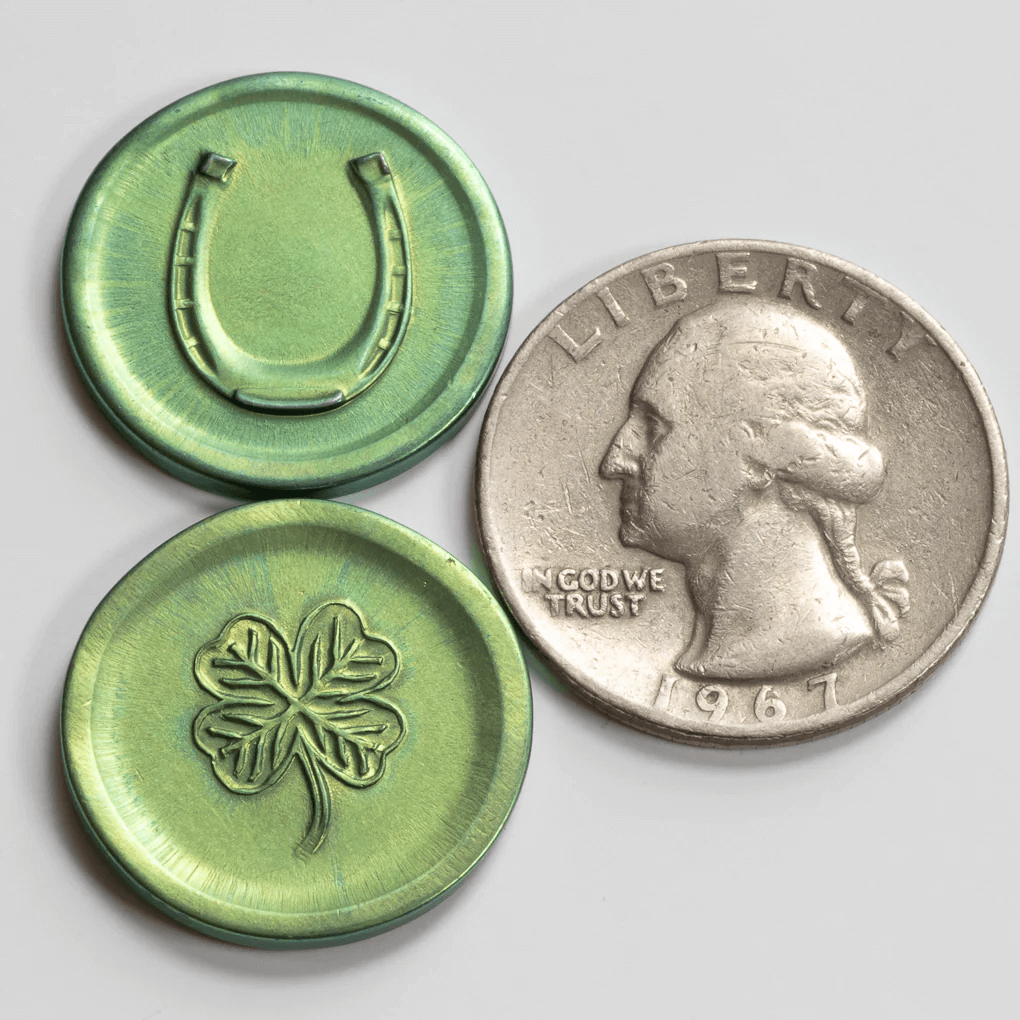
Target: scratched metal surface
<point x="741" y="493"/>
<point x="871" y="873"/>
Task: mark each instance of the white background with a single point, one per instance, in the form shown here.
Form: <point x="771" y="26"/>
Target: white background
<point x="872" y="874"/>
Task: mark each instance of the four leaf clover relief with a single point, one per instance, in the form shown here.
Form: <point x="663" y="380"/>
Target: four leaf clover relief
<point x="316" y="703"/>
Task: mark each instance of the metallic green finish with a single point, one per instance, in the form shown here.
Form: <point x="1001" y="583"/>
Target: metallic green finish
<point x="266" y="384"/>
<point x="316" y="702"/>
<point x="286" y="284"/>
<point x="227" y="744"/>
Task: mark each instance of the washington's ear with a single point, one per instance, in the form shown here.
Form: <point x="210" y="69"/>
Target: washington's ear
<point x="758" y="476"/>
<point x="835" y="465"/>
<point x="753" y="430"/>
<point x="752" y="437"/>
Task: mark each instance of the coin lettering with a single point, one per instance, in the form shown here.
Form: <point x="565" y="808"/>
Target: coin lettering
<point x="664" y="285"/>
<point x="620" y="317"/>
<point x="862" y="295"/>
<point x="593" y="593"/>
<point x="800" y="273"/>
<point x="577" y="351"/>
<point x="828" y="685"/>
<point x="771" y="516"/>
<point x="713" y="699"/>
<point x="911" y="334"/>
<point x="767" y="707"/>
<point x="734" y="273"/>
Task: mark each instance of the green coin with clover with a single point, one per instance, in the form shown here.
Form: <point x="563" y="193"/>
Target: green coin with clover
<point x="296" y="723"/>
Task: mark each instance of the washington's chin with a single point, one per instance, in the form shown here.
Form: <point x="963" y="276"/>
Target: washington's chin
<point x="635" y="537"/>
<point x="627" y="536"/>
<point x="630" y="533"/>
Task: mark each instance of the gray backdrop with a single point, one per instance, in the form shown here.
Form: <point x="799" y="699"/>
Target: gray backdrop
<point x="868" y="874"/>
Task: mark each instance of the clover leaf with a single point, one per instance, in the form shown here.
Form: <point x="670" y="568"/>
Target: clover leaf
<point x="316" y="703"/>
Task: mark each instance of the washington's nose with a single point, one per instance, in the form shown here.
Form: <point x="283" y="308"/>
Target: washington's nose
<point x="617" y="462"/>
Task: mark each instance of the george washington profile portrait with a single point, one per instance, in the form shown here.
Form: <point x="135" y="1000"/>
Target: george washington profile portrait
<point x="744" y="457"/>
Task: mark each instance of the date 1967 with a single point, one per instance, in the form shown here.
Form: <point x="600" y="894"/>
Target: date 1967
<point x="768" y="708"/>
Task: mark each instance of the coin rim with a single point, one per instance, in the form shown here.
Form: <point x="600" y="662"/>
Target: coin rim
<point x="241" y="925"/>
<point x="207" y="466"/>
<point x="660" y="722"/>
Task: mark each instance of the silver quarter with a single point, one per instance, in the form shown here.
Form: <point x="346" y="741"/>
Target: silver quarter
<point x="741" y="493"/>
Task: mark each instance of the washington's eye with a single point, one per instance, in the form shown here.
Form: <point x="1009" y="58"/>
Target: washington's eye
<point x="658" y="428"/>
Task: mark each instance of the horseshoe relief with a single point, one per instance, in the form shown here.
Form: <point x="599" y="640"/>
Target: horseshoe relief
<point x="264" y="385"/>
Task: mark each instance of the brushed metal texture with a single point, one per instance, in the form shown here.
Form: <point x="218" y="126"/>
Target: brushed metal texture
<point x="286" y="284"/>
<point x="296" y="723"/>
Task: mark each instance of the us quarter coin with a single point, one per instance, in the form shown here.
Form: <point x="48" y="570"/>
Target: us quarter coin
<point x="741" y="493"/>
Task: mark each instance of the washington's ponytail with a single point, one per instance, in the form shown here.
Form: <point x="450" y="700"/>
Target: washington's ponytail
<point x="884" y="593"/>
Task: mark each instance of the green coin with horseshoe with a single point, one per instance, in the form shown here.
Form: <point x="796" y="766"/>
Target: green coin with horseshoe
<point x="286" y="283"/>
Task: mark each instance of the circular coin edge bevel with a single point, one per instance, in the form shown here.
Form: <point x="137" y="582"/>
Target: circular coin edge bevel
<point x="130" y="860"/>
<point x="656" y="722"/>
<point x="202" y="471"/>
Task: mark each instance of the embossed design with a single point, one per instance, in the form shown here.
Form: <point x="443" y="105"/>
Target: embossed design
<point x="911" y="334"/>
<point x="307" y="387"/>
<point x="713" y="699"/>
<point x="803" y="274"/>
<point x="767" y="706"/>
<point x="316" y="703"/>
<point x="828" y="685"/>
<point x="735" y="272"/>
<point x="664" y="285"/>
<point x="608" y="299"/>
<point x="744" y="458"/>
<point x="578" y="351"/>
<point x="862" y="297"/>
<point x="593" y="592"/>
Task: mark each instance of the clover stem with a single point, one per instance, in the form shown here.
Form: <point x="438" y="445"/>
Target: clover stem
<point x="321" y="804"/>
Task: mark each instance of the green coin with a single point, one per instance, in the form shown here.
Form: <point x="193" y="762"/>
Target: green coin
<point x="296" y="723"/>
<point x="286" y="283"/>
